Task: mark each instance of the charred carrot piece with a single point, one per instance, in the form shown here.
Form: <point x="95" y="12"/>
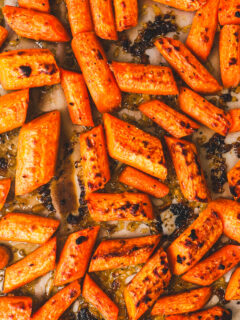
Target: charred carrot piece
<point x="185" y="5"/>
<point x="95" y="296"/>
<point x="143" y="182"/>
<point x="27" y="228"/>
<point x="228" y="12"/>
<point x="42" y="5"/>
<point x="94" y="159"/>
<point x="4" y="257"/>
<point x="37" y="152"/>
<point x="76" y="94"/>
<point x="233" y="289"/>
<point x="126" y="14"/>
<point x="119" y="206"/>
<point x="188" y="169"/>
<point x="3" y="35"/>
<point x="175" y="123"/>
<point x="4" y="190"/>
<point x="148" y="284"/>
<point x="33" y="266"/>
<point x="130" y="145"/>
<point x="235" y="120"/>
<point x="234" y="180"/>
<point x="35" y="24"/>
<point x="187" y="66"/>
<point x="149" y="79"/>
<point x="182" y="302"/>
<point x="185" y="251"/>
<point x="214" y="267"/>
<point x="118" y="253"/>
<point x="28" y="68"/>
<point x="54" y="307"/>
<point x="15" y="308"/>
<point x="75" y="256"/>
<point x="201" y="36"/>
<point x="97" y="74"/>
<point x="209" y="314"/>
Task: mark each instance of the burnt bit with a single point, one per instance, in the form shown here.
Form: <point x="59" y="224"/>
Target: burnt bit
<point x="179" y="259"/>
<point x="73" y="219"/>
<point x="193" y="235"/>
<point x="81" y="239"/>
<point x="182" y="212"/>
<point x="45" y="197"/>
<point x="232" y="61"/>
<point x="72" y="293"/>
<point x="84" y="314"/>
<point x="237" y="14"/>
<point x="226" y="97"/>
<point x="89" y="143"/>
<point x="48" y="68"/>
<point x="3" y="164"/>
<point x="221" y="267"/>
<point x="99" y="55"/>
<point x="25" y="71"/>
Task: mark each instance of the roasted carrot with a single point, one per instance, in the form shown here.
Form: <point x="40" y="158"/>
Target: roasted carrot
<point x="55" y="306"/>
<point x="4" y="257"/>
<point x="235" y="120"/>
<point x="119" y="206"/>
<point x="33" y="266"/>
<point x="28" y="68"/>
<point x="143" y="290"/>
<point x="187" y="66"/>
<point x="128" y="144"/>
<point x="3" y="35"/>
<point x="209" y="314"/>
<point x="188" y="169"/>
<point x="42" y="5"/>
<point x="143" y="182"/>
<point x="37" y="152"/>
<point x="4" y="189"/>
<point x="97" y="74"/>
<point x="229" y="52"/>
<point x="149" y="79"/>
<point x="175" y="123"/>
<point x="126" y="14"/>
<point x="233" y="289"/>
<point x="95" y="296"/>
<point x="200" y="109"/>
<point x="75" y="256"/>
<point x="94" y="159"/>
<point x="186" y="5"/>
<point x="233" y="177"/>
<point x="185" y="302"/>
<point x="229" y="12"/>
<point x="35" y="25"/>
<point x="15" y="308"/>
<point x="201" y="36"/>
<point x="118" y="253"/>
<point x="27" y="228"/>
<point x="214" y="267"/>
<point x="195" y="241"/>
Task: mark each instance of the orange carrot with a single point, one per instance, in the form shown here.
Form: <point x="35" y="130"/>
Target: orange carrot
<point x="229" y="12"/>
<point x="15" y="308"/>
<point x="234" y="180"/>
<point x="3" y="35"/>
<point x="126" y="14"/>
<point x="186" y="5"/>
<point x="4" y="190"/>
<point x="235" y="120"/>
<point x="42" y="5"/>
<point x="233" y="289"/>
<point x="209" y="314"/>
<point x="4" y="257"/>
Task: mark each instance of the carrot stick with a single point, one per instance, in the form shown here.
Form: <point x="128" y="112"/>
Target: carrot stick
<point x="3" y="35"/>
<point x="209" y="314"/>
<point x="228" y="12"/>
<point x="233" y="289"/>
<point x="235" y="120"/>
<point x="234" y="180"/>
<point x="4" y="257"/>
<point x="15" y="308"/>
<point x="186" y="5"/>
<point x="4" y="190"/>
<point x="126" y="14"/>
<point x="42" y="5"/>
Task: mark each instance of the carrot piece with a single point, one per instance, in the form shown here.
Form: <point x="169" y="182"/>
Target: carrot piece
<point x="233" y="289"/>
<point x="33" y="266"/>
<point x="75" y="255"/>
<point x="103" y="19"/>
<point x="3" y="35"/>
<point x="15" y="308"/>
<point x="126" y="14"/>
<point x="201" y="36"/>
<point x="94" y="295"/>
<point x="186" y="5"/>
<point x="185" y="251"/>
<point x="76" y="94"/>
<point x="187" y="66"/>
<point x="185" y="302"/>
<point x="35" y="25"/>
<point x="27" y="228"/>
<point x="235" y="120"/>
<point x="214" y="267"/>
<point x="42" y="5"/>
<point x="209" y="314"/>
<point x="175" y="123"/>
<point x="55" y="306"/>
<point x="188" y="169"/>
<point x="140" y="78"/>
<point x="128" y="144"/>
<point x="228" y="12"/>
<point x="28" y="68"/>
<point x="229" y="52"/>
<point x="97" y="74"/>
<point x="37" y="152"/>
<point x="4" y="257"/>
<point x="200" y="109"/>
<point x="118" y="253"/>
<point x="94" y="161"/>
<point x="4" y="190"/>
<point x="143" y="290"/>
<point x="234" y="180"/>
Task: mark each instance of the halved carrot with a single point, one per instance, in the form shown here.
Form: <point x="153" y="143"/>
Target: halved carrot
<point x="128" y="144"/>
<point x="229" y="52"/>
<point x="119" y="206"/>
<point x="35" y="25"/>
<point x="42" y="5"/>
<point x="15" y="308"/>
<point x="235" y="120"/>
<point x="233" y="289"/>
<point x="3" y="35"/>
<point x="76" y="94"/>
<point x="195" y="241"/>
<point x="55" y="306"/>
<point x="27" y="228"/>
<point x="177" y="124"/>
<point x="229" y="12"/>
<point x="94" y="159"/>
<point x="185" y="302"/>
<point x="118" y="253"/>
<point x="75" y="255"/>
<point x="201" y="36"/>
<point x="28" y="68"/>
<point x="186" y="5"/>
<point x="4" y="190"/>
<point x="214" y="267"/>
<point x="126" y="14"/>
<point x="233" y="177"/>
<point x="95" y="296"/>
<point x="209" y="314"/>
<point x="33" y="266"/>
<point x="143" y="290"/>
<point x="37" y="152"/>
<point x="187" y="66"/>
<point x="4" y="257"/>
<point x="140" y="78"/>
<point x="97" y="74"/>
<point x="188" y="169"/>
